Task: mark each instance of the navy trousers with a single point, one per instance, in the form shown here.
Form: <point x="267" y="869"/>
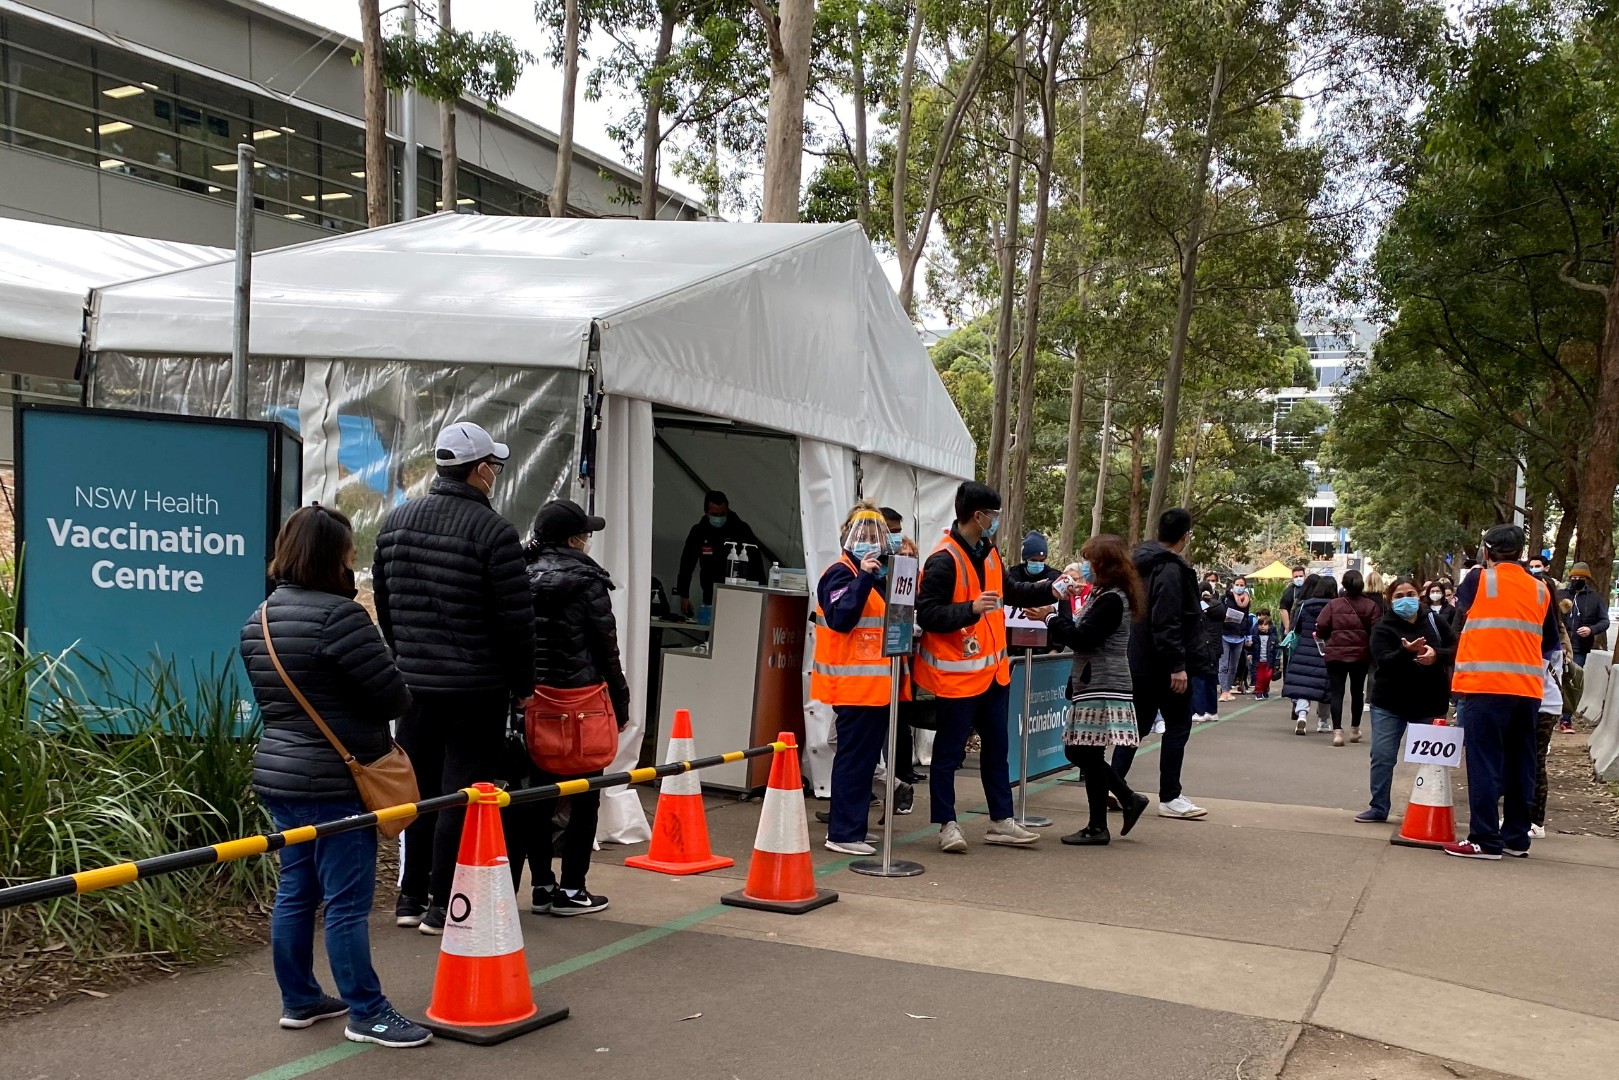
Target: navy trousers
<point x="862" y="736"/>
<point x="1500" y="745"/>
<point x="958" y="718"/>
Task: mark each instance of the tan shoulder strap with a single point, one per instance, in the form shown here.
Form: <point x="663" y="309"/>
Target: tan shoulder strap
<point x="298" y="695"/>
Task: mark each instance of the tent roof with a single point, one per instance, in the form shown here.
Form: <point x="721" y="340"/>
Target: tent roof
<point x="1276" y="571"/>
<point x="776" y="325"/>
<point x="46" y="274"/>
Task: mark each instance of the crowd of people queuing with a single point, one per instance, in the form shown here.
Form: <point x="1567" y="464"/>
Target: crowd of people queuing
<point x="487" y="642"/>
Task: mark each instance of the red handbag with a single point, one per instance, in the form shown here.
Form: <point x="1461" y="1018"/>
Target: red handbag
<point x="571" y="732"/>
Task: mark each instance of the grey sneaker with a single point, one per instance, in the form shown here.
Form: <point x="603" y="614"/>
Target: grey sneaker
<point x="851" y="847"/>
<point x="324" y="1009"/>
<point x="389" y="1029"/>
<point x="1008" y="831"/>
<point x="950" y="838"/>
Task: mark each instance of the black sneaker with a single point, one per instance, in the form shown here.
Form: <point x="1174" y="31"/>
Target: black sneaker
<point x="904" y="798"/>
<point x="408" y="911"/>
<point x="1133" y="812"/>
<point x="823" y="816"/>
<point x="1087" y="837"/>
<point x="544" y="896"/>
<point x="432" y="921"/>
<point x="324" y="1009"/>
<point x="387" y="1028"/>
<point x="566" y="902"/>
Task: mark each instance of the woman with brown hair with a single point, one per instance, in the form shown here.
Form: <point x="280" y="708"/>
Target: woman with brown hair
<point x="1103" y="712"/>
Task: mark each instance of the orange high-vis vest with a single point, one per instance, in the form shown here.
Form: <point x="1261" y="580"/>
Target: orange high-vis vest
<point x="964" y="663"/>
<point x="1499" y="652"/>
<point x="849" y="668"/>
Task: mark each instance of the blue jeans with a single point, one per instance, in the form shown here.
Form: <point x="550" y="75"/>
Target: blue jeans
<point x="1500" y="748"/>
<point x="958" y="718"/>
<point x="862" y="734"/>
<point x="1205" y="698"/>
<point x="1388" y="731"/>
<point x="342" y="871"/>
<point x="1230" y="660"/>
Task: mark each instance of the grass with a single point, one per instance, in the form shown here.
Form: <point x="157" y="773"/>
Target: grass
<point x="173" y="774"/>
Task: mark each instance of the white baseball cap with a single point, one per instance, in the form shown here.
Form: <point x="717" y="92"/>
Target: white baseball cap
<point x="464" y="442"/>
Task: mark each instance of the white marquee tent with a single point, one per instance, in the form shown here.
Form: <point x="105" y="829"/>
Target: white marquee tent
<point x="46" y="274"/>
<point x="561" y="336"/>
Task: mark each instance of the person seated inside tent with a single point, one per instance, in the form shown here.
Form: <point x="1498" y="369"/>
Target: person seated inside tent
<point x="708" y="550"/>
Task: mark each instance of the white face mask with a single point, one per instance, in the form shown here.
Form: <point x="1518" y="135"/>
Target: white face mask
<point x="1298" y="580"/>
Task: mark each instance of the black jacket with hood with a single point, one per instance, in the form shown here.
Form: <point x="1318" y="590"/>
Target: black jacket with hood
<point x="575" y="635"/>
<point x="1166" y="640"/>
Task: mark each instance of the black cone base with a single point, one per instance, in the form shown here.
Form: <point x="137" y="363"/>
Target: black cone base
<point x="489" y="1036"/>
<point x="821" y="898"/>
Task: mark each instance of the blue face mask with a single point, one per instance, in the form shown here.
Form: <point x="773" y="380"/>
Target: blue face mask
<point x="1406" y="607"/>
<point x="1036" y="567"/>
<point x="1085" y="572"/>
<point x="717" y="520"/>
<point x="895" y="542"/>
<point x="863" y="551"/>
<point x="1239" y="590"/>
<point x="994" y="527"/>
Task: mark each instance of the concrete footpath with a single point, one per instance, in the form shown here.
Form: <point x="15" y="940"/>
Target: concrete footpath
<point x="1192" y="950"/>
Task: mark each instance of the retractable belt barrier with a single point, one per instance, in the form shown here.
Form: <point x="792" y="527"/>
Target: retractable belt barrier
<point x="123" y="873"/>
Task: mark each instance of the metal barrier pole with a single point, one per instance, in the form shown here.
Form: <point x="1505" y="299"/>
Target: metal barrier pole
<point x="1024" y="818"/>
<point x="889" y="866"/>
<point x="243" y="297"/>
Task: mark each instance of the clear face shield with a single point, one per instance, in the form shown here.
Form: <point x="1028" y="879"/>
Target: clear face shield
<point x="866" y="535"/>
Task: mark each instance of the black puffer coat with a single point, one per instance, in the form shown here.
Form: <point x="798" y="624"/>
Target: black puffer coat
<point x="575" y="635"/>
<point x="1306" y="676"/>
<point x="452" y="597"/>
<point x="1166" y="636"/>
<point x="332" y="651"/>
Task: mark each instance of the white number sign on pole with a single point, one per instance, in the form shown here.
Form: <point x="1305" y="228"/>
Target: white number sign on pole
<point x="1431" y="744"/>
<point x="899" y="621"/>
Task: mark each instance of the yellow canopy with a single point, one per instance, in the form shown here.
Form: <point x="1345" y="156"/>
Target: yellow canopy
<point x="1276" y="571"/>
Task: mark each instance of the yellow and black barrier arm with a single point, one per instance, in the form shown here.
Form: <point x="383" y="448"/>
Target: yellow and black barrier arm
<point x="123" y="873"/>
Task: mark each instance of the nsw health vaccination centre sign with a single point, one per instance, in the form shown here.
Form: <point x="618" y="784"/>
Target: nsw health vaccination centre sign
<point x="145" y="538"/>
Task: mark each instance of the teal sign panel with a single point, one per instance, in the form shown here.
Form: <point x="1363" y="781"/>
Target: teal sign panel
<point x="143" y="538"/>
<point x="1048" y="707"/>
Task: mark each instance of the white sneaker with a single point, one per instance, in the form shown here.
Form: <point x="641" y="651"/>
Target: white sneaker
<point x="1322" y="726"/>
<point x="1298" y="728"/>
<point x="854" y="847"/>
<point x="1537" y="832"/>
<point x="950" y="838"/>
<point x="1181" y="808"/>
<point x="1158" y="727"/>
<point x="1008" y="831"/>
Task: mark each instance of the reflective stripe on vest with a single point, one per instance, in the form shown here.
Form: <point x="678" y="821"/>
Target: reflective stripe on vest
<point x="849" y="667"/>
<point x="1500" y="647"/>
<point x="942" y="663"/>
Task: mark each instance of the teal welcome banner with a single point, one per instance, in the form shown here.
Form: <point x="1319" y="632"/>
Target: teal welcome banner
<point x="1049" y="706"/>
<point x="145" y="538"/>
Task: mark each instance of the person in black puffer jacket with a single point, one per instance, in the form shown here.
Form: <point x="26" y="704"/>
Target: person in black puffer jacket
<point x="575" y="646"/>
<point x="1306" y="679"/>
<point x="452" y="600"/>
<point x="332" y="653"/>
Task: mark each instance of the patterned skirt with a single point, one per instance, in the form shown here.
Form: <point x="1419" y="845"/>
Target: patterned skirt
<point x="1102" y="722"/>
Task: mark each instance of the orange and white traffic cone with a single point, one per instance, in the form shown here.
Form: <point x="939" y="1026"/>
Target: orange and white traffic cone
<point x="680" y="828"/>
<point x="1430" y="817"/>
<point x="781" y="876"/>
<point x="481" y="992"/>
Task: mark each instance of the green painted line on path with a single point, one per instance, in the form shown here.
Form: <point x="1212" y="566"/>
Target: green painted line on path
<point x="293" y="1070"/>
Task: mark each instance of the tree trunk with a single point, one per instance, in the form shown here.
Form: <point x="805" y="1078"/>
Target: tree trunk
<point x="1600" y="475"/>
<point x="449" y="177"/>
<point x="570" y="88"/>
<point x="1136" y="435"/>
<point x="1191" y="459"/>
<point x="1104" y="455"/>
<point x="862" y="167"/>
<point x="377" y="172"/>
<point x="908" y="247"/>
<point x="1076" y="398"/>
<point x="1565" y="534"/>
<point x="784" y="118"/>
<point x="1190" y="251"/>
<point x="1534" y="519"/>
<point x="1027" y="422"/>
<point x="651" y="133"/>
<point x="1000" y="422"/>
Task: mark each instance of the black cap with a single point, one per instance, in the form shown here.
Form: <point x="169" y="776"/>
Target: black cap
<point x="562" y="518"/>
<point x="1506" y="540"/>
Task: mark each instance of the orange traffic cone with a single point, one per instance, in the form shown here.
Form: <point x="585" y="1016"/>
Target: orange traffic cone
<point x="1430" y="818"/>
<point x="680" y="828"/>
<point x="781" y="876"/>
<point x="481" y="991"/>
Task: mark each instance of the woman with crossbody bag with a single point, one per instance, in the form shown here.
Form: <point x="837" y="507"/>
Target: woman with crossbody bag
<point x="327" y="689"/>
<point x="581" y="702"/>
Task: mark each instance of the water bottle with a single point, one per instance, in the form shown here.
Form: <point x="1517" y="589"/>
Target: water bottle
<point x="775" y="575"/>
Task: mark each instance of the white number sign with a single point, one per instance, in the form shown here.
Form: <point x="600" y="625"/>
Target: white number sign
<point x="904" y="570"/>
<point x="1430" y="744"/>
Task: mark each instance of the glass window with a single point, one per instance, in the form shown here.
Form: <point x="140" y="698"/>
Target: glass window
<point x="48" y="102"/>
<point x="136" y="124"/>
